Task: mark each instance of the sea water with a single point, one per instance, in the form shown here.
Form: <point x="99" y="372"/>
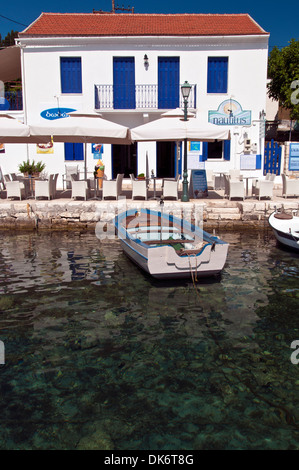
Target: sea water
<point x="98" y="355"/>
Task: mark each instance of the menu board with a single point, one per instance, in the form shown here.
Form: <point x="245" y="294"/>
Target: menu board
<point x="248" y="162"/>
<point x="198" y="187"/>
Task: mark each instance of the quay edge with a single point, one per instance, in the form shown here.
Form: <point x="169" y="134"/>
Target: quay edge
<point x="67" y="214"/>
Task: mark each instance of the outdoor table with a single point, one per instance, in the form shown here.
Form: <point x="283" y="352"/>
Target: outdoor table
<point x="154" y="178"/>
<point x="220" y="177"/>
<point x="96" y="187"/>
<point x="28" y="184"/>
<point x="248" y="178"/>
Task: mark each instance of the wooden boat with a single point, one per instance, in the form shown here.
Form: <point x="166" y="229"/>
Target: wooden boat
<point x="286" y="228"/>
<point x="168" y="247"/>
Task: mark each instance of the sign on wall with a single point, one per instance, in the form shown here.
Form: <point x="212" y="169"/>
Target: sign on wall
<point x="193" y="158"/>
<point x="45" y="148"/>
<point x="56" y="113"/>
<point x="97" y="150"/>
<point x="250" y="162"/>
<point x="294" y="157"/>
<point x="230" y="113"/>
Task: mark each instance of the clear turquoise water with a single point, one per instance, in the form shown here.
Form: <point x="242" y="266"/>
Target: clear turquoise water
<point x="99" y="355"/>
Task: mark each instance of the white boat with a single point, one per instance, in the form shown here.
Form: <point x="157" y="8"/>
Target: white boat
<point x="167" y="247"/>
<point x="286" y="229"/>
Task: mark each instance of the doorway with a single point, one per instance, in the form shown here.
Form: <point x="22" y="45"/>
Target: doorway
<point x="168" y="82"/>
<point x="124" y="83"/>
<point x="166" y="154"/>
<point x="124" y="160"/>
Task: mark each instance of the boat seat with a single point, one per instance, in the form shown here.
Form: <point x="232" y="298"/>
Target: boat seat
<point x="283" y="216"/>
<point x="167" y="242"/>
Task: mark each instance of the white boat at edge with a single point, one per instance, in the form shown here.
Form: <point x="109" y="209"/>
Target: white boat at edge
<point x="167" y="247"/>
<point x="285" y="228"/>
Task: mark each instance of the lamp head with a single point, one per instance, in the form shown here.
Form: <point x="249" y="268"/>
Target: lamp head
<point x="185" y="90"/>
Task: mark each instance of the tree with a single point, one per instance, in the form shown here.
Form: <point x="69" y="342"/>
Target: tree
<point x="9" y="39"/>
<point x="283" y="69"/>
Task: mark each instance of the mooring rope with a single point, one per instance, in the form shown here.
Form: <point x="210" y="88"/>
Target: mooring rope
<point x="194" y="279"/>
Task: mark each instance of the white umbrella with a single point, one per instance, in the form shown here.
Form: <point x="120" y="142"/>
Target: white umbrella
<point x="85" y="128"/>
<point x="13" y="131"/>
<point x="172" y="127"/>
<point x="79" y="127"/>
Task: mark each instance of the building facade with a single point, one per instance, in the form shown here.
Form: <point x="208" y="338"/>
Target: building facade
<point x="129" y="68"/>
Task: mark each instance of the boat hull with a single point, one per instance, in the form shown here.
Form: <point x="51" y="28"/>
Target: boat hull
<point x="164" y="262"/>
<point x="160" y="267"/>
<point x="286" y="231"/>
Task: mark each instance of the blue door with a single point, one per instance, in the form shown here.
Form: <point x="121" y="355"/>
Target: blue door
<point x="168" y="82"/>
<point x="124" y="83"/>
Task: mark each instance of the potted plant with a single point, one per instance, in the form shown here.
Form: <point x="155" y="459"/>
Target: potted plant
<point x="31" y="169"/>
<point x="141" y="176"/>
<point x="38" y="168"/>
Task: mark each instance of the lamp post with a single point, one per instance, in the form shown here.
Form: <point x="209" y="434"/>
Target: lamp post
<point x="185" y="90"/>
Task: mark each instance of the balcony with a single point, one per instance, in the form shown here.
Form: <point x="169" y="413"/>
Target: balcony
<point x="140" y="97"/>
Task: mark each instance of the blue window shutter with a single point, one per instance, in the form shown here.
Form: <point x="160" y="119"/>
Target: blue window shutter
<point x="168" y="82"/>
<point x="204" y="151"/>
<point x="79" y="151"/>
<point x="258" y="165"/>
<point x="226" y="150"/>
<point x="73" y="151"/>
<point x="124" y="83"/>
<point x="71" y="74"/>
<point x="217" y="74"/>
<point x="68" y="151"/>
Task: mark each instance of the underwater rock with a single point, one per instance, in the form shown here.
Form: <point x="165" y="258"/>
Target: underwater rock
<point x="6" y="302"/>
<point x="113" y="320"/>
<point x="99" y="440"/>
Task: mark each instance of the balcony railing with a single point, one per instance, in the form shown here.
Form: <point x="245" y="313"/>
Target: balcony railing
<point x="13" y="101"/>
<point x="146" y="97"/>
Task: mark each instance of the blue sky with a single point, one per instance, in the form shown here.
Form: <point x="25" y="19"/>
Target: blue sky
<point x="281" y="22"/>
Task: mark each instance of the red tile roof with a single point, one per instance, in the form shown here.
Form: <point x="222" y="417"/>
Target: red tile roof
<point x="122" y="24"/>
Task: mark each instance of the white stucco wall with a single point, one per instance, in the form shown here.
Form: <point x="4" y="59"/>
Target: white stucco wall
<point x="247" y="66"/>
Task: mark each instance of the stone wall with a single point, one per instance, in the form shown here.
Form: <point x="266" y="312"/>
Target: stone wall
<point x="84" y="216"/>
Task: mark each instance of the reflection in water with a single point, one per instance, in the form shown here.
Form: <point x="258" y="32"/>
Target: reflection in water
<point x="100" y="355"/>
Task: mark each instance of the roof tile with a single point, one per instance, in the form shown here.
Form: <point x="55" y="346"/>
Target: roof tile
<point x="122" y="24"/>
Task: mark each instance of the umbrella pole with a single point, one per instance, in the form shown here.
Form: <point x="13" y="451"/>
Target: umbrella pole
<point x="185" y="195"/>
<point x="85" y="158"/>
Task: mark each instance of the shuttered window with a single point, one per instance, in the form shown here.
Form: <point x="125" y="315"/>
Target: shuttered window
<point x="124" y="83"/>
<point x="216" y="150"/>
<point x="226" y="150"/>
<point x="71" y="74"/>
<point x="168" y="82"/>
<point x="217" y="74"/>
<point x="73" y="151"/>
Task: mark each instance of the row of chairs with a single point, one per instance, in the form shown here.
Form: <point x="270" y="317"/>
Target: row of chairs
<point x="234" y="186"/>
<point x="264" y="187"/>
<point x="20" y="188"/>
<point x="113" y="188"/>
<point x="139" y="188"/>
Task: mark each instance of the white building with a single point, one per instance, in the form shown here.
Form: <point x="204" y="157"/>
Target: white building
<point x="129" y="68"/>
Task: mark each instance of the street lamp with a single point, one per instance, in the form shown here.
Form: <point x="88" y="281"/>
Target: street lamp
<point x="185" y="90"/>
